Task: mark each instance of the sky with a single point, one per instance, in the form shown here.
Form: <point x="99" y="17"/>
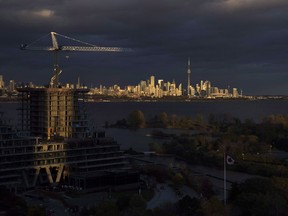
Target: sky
<point x="236" y="43"/>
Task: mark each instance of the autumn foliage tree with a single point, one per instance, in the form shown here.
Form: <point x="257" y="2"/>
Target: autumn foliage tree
<point x="136" y="119"/>
<point x="259" y="196"/>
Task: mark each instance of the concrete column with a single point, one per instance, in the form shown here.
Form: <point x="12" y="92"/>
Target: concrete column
<point x="25" y="178"/>
<point x="59" y="173"/>
<point x="49" y="175"/>
<point x="36" y="176"/>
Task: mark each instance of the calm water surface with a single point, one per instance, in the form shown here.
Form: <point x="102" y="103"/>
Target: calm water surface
<point x="99" y="113"/>
<point x="256" y="110"/>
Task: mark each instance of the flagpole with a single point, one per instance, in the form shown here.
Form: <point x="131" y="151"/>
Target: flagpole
<point x="224" y="177"/>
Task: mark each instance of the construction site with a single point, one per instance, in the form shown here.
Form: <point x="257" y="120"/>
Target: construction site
<point x="53" y="144"/>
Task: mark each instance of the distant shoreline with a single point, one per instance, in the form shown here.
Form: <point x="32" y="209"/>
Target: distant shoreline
<point x="182" y="100"/>
<point x="170" y="99"/>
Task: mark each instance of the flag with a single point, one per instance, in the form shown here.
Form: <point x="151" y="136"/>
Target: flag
<point x="230" y="160"/>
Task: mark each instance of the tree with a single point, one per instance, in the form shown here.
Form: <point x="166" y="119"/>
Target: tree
<point x="123" y="202"/>
<point x="136" y="119"/>
<point x="105" y="209"/>
<point x="207" y="188"/>
<point x="178" y="180"/>
<point x="164" y="119"/>
<point x="199" y="119"/>
<point x="137" y="206"/>
<point x="167" y="209"/>
<point x="189" y="206"/>
<point x="282" y="185"/>
<point x="12" y="204"/>
<point x="174" y="120"/>
<point x="157" y="147"/>
<point x="36" y="211"/>
<point x="258" y="196"/>
<point x="214" y="207"/>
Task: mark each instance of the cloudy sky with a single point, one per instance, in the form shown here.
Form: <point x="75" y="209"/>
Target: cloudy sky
<point x="240" y="43"/>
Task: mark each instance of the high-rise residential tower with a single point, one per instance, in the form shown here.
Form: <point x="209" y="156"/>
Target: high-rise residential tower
<point x="152" y="81"/>
<point x="1" y="82"/>
<point x="188" y="81"/>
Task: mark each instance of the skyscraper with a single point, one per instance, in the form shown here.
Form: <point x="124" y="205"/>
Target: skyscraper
<point x="78" y="83"/>
<point x="188" y="81"/>
<point x="1" y="82"/>
<point x="152" y="81"/>
<point x="11" y="86"/>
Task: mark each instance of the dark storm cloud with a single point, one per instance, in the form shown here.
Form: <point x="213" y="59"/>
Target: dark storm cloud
<point x="226" y="39"/>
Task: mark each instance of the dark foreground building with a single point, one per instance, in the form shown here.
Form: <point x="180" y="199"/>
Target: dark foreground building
<point x="56" y="146"/>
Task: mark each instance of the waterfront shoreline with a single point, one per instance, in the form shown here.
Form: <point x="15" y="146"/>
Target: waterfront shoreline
<point x="170" y="99"/>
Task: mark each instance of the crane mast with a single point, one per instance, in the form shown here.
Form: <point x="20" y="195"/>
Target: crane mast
<point x="56" y="48"/>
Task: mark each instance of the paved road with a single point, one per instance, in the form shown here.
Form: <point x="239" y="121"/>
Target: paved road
<point x="164" y="194"/>
<point x="216" y="176"/>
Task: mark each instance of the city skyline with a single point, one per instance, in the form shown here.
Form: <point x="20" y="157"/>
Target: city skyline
<point x="161" y="88"/>
<point x="150" y="87"/>
<point x="240" y="42"/>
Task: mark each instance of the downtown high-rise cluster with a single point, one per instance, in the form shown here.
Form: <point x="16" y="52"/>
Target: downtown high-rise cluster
<point x="150" y="88"/>
<point x="160" y="88"/>
<point x="145" y="88"/>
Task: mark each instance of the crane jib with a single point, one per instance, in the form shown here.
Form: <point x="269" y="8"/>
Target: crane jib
<point x="56" y="47"/>
<point x="92" y="49"/>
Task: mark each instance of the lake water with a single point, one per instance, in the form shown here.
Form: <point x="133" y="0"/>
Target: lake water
<point x="99" y="113"/>
<point x="256" y="110"/>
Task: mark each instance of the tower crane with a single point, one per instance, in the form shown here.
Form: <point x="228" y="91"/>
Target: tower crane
<point x="56" y="48"/>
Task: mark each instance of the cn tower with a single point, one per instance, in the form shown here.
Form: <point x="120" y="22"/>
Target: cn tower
<point x="188" y="81"/>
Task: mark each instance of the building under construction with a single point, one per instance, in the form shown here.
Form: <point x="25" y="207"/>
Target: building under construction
<point x="55" y="145"/>
<point x="61" y="148"/>
<point x="53" y="113"/>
